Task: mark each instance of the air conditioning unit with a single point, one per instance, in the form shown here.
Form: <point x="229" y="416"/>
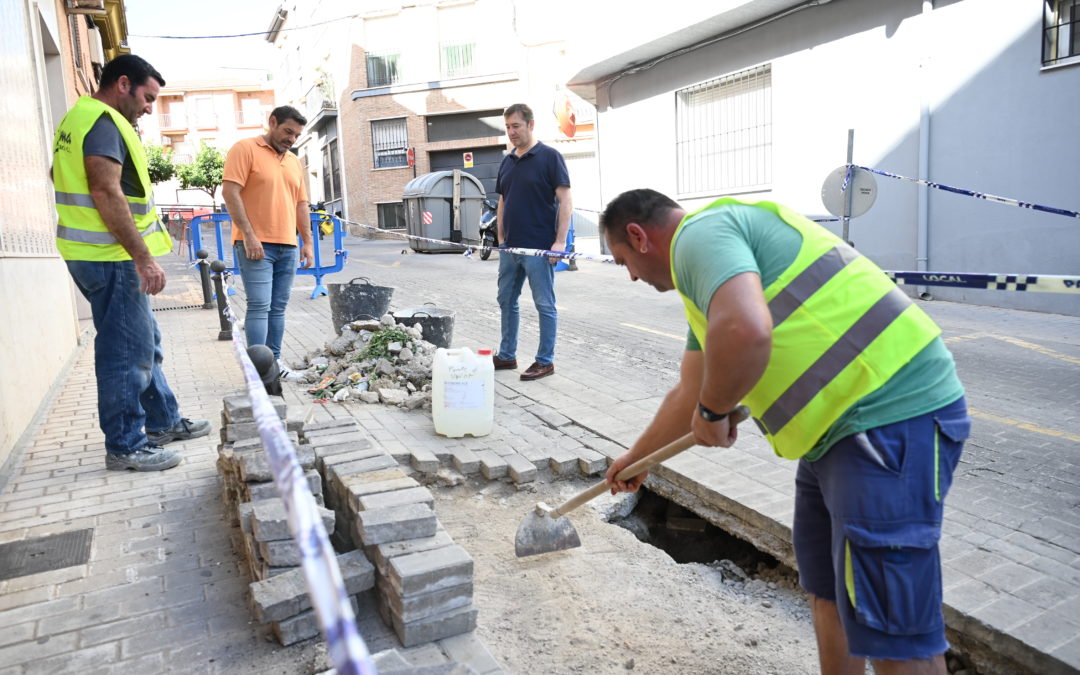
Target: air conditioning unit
<point x="97" y="51"/>
<point x="96" y="7"/>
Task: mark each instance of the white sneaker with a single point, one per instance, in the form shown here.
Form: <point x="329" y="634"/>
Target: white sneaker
<point x="287" y="373"/>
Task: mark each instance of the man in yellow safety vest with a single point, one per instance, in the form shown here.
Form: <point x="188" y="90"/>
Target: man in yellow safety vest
<point x="108" y="233"/>
<point x="842" y="372"/>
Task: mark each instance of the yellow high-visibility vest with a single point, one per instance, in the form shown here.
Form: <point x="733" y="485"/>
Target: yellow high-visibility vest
<point x="81" y="233"/>
<point x="841" y="329"/>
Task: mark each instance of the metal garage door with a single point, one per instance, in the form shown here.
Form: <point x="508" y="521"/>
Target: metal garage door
<point x="485" y="164"/>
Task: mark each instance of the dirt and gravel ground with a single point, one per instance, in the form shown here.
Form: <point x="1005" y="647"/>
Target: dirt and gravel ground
<point x="617" y="604"/>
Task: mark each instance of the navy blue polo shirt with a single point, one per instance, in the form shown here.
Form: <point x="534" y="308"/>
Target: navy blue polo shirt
<point x="527" y="185"/>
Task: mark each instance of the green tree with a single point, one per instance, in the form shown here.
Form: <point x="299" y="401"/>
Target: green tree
<point x="205" y="172"/>
<point x="159" y="163"/>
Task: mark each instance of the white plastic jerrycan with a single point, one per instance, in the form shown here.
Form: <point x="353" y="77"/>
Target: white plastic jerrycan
<point x="463" y="392"/>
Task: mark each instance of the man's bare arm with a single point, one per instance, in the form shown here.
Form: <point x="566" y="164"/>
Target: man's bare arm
<point x="103" y="178"/>
<point x="303" y="228"/>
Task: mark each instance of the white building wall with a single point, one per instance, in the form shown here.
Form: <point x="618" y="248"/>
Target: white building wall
<point x="998" y="123"/>
<point x="38" y="326"/>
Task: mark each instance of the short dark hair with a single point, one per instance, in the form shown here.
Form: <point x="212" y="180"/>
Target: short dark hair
<point x="136" y="68"/>
<point x="521" y="109"/>
<point x="287" y="112"/>
<point x="645" y="207"/>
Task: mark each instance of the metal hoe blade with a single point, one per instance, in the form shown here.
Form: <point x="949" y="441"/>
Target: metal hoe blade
<point x="540" y="533"/>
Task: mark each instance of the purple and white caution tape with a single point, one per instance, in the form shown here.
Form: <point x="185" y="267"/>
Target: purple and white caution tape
<point x="1043" y="283"/>
<point x="967" y="193"/>
<point x="347" y="650"/>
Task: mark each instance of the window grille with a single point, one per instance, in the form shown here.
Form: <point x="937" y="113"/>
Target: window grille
<point x="1061" y="31"/>
<point x="382" y="69"/>
<point x="457" y="59"/>
<point x="392" y="216"/>
<point x="331" y="172"/>
<point x="389" y="143"/>
<point x="724" y="134"/>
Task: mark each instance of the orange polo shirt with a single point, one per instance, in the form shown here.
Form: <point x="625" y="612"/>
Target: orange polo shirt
<point x="272" y="186"/>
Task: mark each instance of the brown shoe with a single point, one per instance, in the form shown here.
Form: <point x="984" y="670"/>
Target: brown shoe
<point x="536" y="371"/>
<point x="503" y="364"/>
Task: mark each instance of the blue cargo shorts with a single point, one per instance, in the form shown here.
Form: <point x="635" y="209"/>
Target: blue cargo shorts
<point x="866" y="530"/>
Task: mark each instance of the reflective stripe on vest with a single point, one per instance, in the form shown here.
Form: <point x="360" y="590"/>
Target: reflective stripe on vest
<point x="841" y="329"/>
<point x="81" y="233"/>
<point x="76" y="199"/>
<point x="100" y="238"/>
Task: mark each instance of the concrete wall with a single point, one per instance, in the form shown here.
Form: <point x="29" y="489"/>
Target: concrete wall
<point x="37" y="315"/>
<point x="997" y="123"/>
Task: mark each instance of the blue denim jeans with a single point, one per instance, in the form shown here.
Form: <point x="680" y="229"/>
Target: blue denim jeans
<point x="267" y="283"/>
<point x="513" y="270"/>
<point x="132" y="391"/>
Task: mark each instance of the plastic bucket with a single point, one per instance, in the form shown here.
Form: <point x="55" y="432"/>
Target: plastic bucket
<point x="437" y="324"/>
<point x="352" y="301"/>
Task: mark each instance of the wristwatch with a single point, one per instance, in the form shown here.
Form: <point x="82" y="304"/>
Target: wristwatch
<point x="710" y="416"/>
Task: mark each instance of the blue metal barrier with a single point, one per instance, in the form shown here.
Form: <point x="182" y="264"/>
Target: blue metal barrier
<point x="226" y="254"/>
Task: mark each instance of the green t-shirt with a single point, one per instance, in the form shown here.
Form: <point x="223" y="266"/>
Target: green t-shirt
<point x="720" y="243"/>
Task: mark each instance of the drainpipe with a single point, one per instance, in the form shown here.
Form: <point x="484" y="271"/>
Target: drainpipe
<point x="922" y="253"/>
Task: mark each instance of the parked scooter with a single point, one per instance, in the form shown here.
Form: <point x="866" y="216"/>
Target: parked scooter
<point x="489" y="228"/>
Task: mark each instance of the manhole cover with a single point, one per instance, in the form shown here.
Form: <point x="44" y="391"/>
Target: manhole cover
<point x="44" y="554"/>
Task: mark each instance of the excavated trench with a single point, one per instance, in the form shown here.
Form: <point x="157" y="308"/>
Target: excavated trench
<point x="687" y="537"/>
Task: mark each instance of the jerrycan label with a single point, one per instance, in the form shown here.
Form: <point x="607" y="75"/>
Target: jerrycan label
<point x="463" y="394"/>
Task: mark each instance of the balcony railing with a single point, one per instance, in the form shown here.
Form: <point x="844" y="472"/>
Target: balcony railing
<point x="172" y="121"/>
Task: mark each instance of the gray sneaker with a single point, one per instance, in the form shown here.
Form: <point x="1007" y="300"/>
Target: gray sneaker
<point x="183" y="430"/>
<point x="146" y="458"/>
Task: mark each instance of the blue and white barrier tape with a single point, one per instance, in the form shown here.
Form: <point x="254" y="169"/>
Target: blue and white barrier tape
<point x="325" y="586"/>
<point x="967" y="193"/>
<point x="1044" y="283"/>
<point x="1038" y="283"/>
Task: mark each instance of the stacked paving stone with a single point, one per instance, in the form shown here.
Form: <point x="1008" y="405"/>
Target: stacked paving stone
<point x="424" y="581"/>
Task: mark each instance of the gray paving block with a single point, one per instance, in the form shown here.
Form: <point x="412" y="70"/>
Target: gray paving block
<point x="537" y="453"/>
<point x="354" y="436"/>
<point x="268" y="490"/>
<point x="269" y="523"/>
<point x="281" y="553"/>
<point x="563" y="462"/>
<point x="437" y="627"/>
<point x="243" y="512"/>
<point x="465" y="461"/>
<point x="423" y="460"/>
<point x="249" y="443"/>
<point x="396" y="523"/>
<point x="338" y="472"/>
<point x="324" y="426"/>
<point x="323" y="452"/>
<point x="491" y="464"/>
<point x="380" y="555"/>
<point x="255" y="466"/>
<point x="467" y="649"/>
<point x="286" y="595"/>
<point x="549" y="415"/>
<point x="327" y="461"/>
<point x="303" y="626"/>
<point x="237" y="407"/>
<point x="521" y="470"/>
<point x="380" y="500"/>
<point x="431" y="570"/>
<point x="415" y="607"/>
<point x="590" y="462"/>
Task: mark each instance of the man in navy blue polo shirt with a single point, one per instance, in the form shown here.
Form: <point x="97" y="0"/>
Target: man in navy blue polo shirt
<point x="534" y="212"/>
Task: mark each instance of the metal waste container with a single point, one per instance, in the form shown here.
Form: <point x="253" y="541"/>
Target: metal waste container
<point x="443" y="205"/>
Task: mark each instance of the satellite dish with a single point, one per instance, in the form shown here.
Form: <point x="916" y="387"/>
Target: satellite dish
<point x="863" y="189"/>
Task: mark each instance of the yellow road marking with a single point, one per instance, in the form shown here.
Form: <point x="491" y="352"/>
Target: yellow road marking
<point x="1045" y="351"/>
<point x="969" y="336"/>
<point x="680" y="338"/>
<point x="1026" y="426"/>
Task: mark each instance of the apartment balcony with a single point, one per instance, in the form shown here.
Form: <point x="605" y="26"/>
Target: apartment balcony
<point x="319" y="103"/>
<point x="171" y="122"/>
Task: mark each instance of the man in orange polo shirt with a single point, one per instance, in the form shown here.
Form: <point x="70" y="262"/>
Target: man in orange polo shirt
<point x="265" y="193"/>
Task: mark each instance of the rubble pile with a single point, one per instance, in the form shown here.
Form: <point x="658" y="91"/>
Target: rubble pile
<point x="374" y="362"/>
